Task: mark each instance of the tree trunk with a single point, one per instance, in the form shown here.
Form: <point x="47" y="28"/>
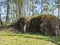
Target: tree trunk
<point x="0" y="21"/>
<point x="58" y="8"/>
<point x="7" y="16"/>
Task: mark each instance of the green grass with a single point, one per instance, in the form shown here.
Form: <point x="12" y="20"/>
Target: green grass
<point x="27" y="39"/>
<point x="7" y="37"/>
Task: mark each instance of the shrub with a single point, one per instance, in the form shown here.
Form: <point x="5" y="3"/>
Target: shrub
<point x="22" y="24"/>
<point x="46" y="24"/>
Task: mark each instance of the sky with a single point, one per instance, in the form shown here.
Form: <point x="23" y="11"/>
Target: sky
<point x="3" y="10"/>
<point x="37" y="9"/>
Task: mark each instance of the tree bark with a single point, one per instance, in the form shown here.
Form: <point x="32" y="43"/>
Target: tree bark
<point x="7" y="16"/>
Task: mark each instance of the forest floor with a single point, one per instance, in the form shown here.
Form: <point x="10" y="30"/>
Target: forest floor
<point x="9" y="37"/>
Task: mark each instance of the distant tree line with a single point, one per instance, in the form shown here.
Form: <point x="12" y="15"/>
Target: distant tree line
<point x="19" y="8"/>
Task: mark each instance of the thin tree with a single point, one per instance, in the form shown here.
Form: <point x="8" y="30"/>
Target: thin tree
<point x="7" y="16"/>
<point x="0" y="15"/>
<point x="58" y="8"/>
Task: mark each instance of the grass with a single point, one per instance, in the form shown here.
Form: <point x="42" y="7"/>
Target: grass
<point x="22" y="39"/>
<point x="10" y="38"/>
<point x="27" y="39"/>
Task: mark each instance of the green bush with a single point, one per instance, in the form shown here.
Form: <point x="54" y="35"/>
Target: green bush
<point x="45" y="23"/>
<point x="22" y="24"/>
